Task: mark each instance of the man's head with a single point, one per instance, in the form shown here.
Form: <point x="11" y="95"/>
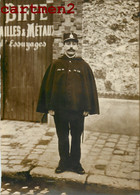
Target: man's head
<point x="70" y="44"/>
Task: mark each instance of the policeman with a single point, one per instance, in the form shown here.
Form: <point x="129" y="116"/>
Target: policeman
<point x="68" y="93"/>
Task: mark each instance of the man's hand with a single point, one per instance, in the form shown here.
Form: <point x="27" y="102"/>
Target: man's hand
<point x="51" y="112"/>
<point x="85" y="113"/>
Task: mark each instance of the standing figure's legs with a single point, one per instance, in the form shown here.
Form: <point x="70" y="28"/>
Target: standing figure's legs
<point x="77" y="127"/>
<point x="62" y="129"/>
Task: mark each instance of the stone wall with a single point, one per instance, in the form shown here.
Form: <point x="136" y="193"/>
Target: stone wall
<point x="110" y="45"/>
<point x="66" y="23"/>
<point x="108" y="33"/>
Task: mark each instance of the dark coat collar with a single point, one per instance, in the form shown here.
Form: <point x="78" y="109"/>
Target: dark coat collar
<point x="64" y="57"/>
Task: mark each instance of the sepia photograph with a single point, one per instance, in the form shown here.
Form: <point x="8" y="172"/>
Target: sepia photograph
<point x="69" y="93"/>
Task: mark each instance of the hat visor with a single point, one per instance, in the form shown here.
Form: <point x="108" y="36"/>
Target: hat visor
<point x="70" y="39"/>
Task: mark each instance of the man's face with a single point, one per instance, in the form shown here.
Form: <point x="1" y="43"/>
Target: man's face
<point x="70" y="48"/>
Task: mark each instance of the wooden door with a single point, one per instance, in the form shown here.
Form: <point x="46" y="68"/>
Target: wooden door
<point x="27" y="52"/>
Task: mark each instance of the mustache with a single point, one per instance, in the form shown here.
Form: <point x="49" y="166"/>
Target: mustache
<point x="71" y="49"/>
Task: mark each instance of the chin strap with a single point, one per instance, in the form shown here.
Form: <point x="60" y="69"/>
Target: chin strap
<point x="70" y="56"/>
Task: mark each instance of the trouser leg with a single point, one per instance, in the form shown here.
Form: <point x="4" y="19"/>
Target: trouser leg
<point x="62" y="130"/>
<point x="77" y="127"/>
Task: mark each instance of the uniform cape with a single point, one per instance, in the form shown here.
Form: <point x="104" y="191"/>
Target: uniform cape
<point x="47" y="100"/>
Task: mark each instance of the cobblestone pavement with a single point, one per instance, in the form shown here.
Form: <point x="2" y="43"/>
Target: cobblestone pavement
<point x="41" y="188"/>
<point x="8" y="189"/>
<point x="108" y="159"/>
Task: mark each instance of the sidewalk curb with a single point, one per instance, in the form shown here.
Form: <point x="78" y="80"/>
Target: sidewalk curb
<point x="86" y="179"/>
<point x="20" y="175"/>
<point x="87" y="182"/>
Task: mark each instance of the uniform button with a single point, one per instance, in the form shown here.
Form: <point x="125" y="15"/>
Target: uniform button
<point x="69" y="70"/>
<point x="70" y="61"/>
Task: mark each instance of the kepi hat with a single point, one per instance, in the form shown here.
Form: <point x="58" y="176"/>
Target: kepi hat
<point x="70" y="36"/>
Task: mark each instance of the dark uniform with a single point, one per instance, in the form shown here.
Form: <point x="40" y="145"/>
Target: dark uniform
<point x="69" y="89"/>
